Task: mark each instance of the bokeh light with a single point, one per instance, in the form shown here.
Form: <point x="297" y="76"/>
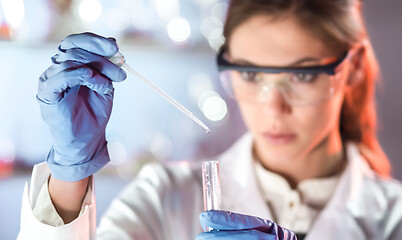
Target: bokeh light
<point x="179" y="30"/>
<point x="212" y="29"/>
<point x="14" y="12"/>
<point x="216" y="39"/>
<point x="209" y="24"/>
<point x="90" y="10"/>
<point x="213" y="106"/>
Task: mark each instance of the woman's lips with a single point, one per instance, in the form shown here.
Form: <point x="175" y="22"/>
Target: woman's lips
<point x="279" y="138"/>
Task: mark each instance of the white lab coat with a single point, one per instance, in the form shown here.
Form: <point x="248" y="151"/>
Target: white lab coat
<point x="163" y="202"/>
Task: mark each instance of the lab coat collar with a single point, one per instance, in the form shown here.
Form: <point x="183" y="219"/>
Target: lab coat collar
<point x="341" y="217"/>
<point x="355" y="207"/>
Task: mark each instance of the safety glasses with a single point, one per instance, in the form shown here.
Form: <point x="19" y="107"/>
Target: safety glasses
<point x="298" y="85"/>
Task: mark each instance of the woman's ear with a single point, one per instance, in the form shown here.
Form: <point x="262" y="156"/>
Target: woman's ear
<point x="357" y="67"/>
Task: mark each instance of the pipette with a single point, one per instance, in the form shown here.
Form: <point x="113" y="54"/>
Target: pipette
<point x="119" y="60"/>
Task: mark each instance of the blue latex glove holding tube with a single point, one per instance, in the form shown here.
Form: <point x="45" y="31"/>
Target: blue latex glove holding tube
<point x="230" y="226"/>
<point x="75" y="95"/>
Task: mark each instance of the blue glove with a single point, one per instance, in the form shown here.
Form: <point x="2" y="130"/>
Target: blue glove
<point x="228" y="225"/>
<point x="75" y="95"/>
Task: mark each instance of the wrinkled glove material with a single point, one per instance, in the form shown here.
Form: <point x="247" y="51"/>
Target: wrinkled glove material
<point x="228" y="225"/>
<point x="75" y="96"/>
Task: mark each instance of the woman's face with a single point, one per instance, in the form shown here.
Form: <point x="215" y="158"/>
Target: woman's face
<point x="285" y="133"/>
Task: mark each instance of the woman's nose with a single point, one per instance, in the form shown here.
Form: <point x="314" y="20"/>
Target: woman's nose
<point x="273" y="100"/>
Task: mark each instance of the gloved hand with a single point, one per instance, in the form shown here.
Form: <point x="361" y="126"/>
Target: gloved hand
<point x="228" y="225"/>
<point x="75" y="95"/>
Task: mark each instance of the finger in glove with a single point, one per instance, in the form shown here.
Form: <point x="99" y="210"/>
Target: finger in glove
<point x="100" y="63"/>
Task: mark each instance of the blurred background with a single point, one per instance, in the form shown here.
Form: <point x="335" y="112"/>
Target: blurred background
<point x="172" y="43"/>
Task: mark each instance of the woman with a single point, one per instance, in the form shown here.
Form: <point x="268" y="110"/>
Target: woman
<point x="303" y="75"/>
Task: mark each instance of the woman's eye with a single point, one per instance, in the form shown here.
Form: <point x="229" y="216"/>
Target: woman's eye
<point x="304" y="77"/>
<point x="249" y="76"/>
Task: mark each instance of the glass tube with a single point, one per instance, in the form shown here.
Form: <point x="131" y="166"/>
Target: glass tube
<point x="211" y="186"/>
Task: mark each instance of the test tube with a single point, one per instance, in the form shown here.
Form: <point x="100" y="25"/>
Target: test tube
<point x="211" y="186"/>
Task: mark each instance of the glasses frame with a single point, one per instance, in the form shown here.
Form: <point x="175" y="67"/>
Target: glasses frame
<point x="329" y="69"/>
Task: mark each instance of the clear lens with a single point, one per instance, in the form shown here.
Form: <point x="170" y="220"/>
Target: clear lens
<point x="297" y="89"/>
